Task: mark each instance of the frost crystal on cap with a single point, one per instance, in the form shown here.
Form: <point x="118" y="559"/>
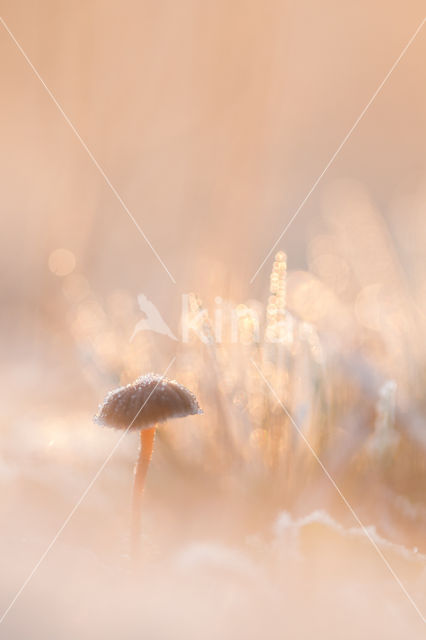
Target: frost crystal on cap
<point x="149" y="399"/>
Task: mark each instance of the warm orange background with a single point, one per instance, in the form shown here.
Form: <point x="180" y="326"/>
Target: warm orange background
<point x="212" y="120"/>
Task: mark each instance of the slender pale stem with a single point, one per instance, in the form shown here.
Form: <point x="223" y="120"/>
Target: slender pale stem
<point x="141" y="469"/>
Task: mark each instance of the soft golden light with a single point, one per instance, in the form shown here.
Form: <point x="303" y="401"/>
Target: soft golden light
<point x="61" y="262"/>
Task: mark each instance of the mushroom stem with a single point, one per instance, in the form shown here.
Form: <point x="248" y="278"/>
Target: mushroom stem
<point x="141" y="468"/>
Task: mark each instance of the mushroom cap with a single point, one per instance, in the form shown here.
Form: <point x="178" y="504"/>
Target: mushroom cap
<point x="149" y="399"/>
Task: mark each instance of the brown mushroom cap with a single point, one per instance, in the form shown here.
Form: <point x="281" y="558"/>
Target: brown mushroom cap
<point x="160" y="398"/>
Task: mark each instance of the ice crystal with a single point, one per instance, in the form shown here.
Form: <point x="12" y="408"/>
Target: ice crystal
<point x="150" y="399"/>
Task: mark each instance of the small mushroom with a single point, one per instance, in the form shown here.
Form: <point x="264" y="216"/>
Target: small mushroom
<point x="141" y="405"/>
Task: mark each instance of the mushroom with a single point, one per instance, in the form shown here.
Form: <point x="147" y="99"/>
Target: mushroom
<point x="141" y="405"/>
